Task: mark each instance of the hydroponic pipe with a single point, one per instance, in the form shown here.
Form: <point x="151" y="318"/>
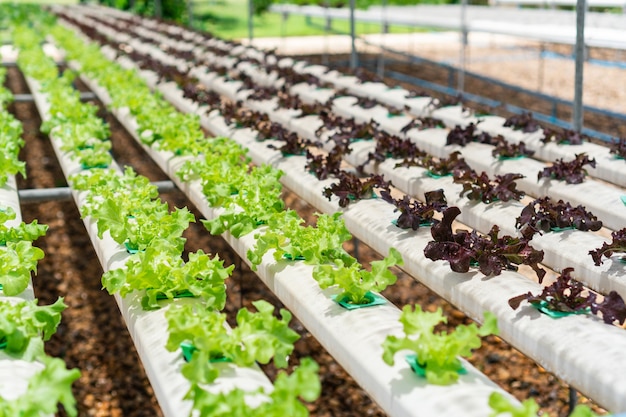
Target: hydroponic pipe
<point x="38" y="195"/>
<point x="148" y="328"/>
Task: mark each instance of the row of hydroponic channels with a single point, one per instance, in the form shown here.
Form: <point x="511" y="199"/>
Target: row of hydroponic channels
<point x="298" y="177"/>
<point x="359" y="216"/>
<point x="30" y="381"/>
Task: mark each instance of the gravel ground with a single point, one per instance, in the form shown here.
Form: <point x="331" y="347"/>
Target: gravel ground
<point x="94" y="338"/>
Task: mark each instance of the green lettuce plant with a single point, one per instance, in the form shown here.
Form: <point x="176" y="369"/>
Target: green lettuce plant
<point x="46" y="389"/>
<point x="314" y="244"/>
<point x="355" y="281"/>
<point x="17" y="260"/>
<point x="23" y="231"/>
<point x="437" y="353"/>
<point x="160" y="271"/>
<point x="24" y="326"/>
<point x="502" y="407"/>
<point x="258" y="337"/>
<point x="282" y="400"/>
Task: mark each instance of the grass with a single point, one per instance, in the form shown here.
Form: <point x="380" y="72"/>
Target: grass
<point x="229" y="19"/>
<point x="40" y="1"/>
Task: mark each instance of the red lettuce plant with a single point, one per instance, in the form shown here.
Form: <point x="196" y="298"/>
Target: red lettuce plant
<point x="490" y="253"/>
<point x="506" y="149"/>
<point x="352" y="188"/>
<point x="565" y="295"/>
<point x="618" y="148"/>
<point x="323" y="166"/>
<point x="570" y="296"/>
<point x="572" y="172"/>
<point x="391" y="146"/>
<point x="565" y="136"/>
<point x="544" y="214"/>
<point x="198" y="93"/>
<point x="366" y="102"/>
<point x="260" y="93"/>
<point x="414" y="213"/>
<point x="479" y="187"/>
<point x="447" y="101"/>
<point x="422" y="123"/>
<point x="618" y="244"/>
<point x="463" y="135"/>
<point x="524" y="122"/>
<point x="443" y="166"/>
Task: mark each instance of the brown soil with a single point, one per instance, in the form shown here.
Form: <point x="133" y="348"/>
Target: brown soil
<point x="93" y="336"/>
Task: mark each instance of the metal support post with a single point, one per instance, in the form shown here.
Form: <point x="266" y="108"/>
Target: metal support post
<point x="190" y="13"/>
<point x="577" y="121"/>
<point x="39" y="195"/>
<point x="283" y="29"/>
<point x="325" y="52"/>
<point x="354" y="60"/>
<point x="573" y="399"/>
<point x="158" y="9"/>
<point x="383" y="31"/>
<point x="24" y="98"/>
<point x="250" y="21"/>
<point x="461" y="71"/>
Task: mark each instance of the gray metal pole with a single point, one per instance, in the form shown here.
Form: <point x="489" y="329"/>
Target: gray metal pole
<point x="158" y="10"/>
<point x="39" y="195"/>
<point x="577" y="121"/>
<point x="190" y="13"/>
<point x="25" y="98"/>
<point x="354" y="62"/>
<point x="327" y="27"/>
<point x="573" y="399"/>
<point x="461" y="70"/>
<point x="250" y="21"/>
<point x="383" y="30"/>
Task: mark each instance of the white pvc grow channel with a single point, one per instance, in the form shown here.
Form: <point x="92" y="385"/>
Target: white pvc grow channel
<point x="266" y="151"/>
<point x="577" y="256"/>
<point x="609" y="168"/>
<point x="170" y="168"/>
<point x="149" y="328"/>
<point x="535" y="334"/>
<point x="569" y="252"/>
<point x="14" y="373"/>
<point x="300" y="293"/>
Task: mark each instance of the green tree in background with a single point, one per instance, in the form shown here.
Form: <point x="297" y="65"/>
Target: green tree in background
<point x="170" y="9"/>
<point x="261" y="6"/>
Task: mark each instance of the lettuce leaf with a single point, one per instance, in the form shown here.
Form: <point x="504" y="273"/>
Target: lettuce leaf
<point x="161" y="271"/>
<point x="355" y="281"/>
<point x="436" y="352"/>
<point x="17" y="260"/>
<point x="315" y="245"/>
<point x="282" y="401"/>
<point x="24" y="231"/>
<point x="258" y="337"/>
<point x="47" y="388"/>
<point x="24" y="326"/>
